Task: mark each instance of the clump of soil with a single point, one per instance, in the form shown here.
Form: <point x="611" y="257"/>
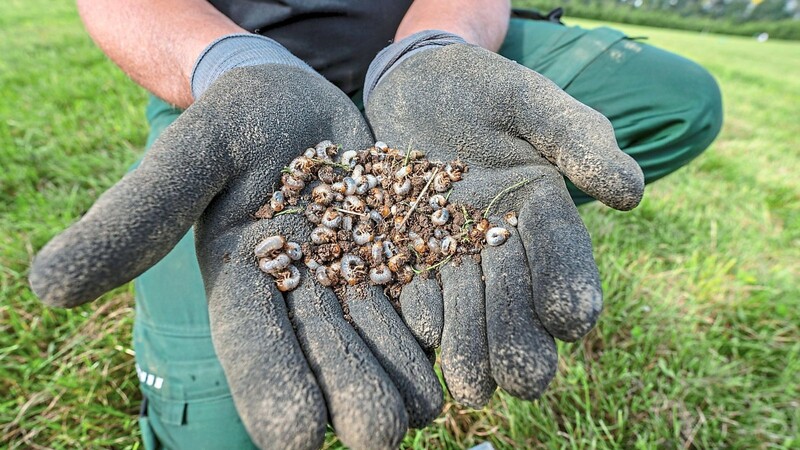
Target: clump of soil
<point x="381" y="217"/>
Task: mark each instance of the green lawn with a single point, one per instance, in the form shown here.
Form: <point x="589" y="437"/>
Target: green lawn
<point x="698" y="345"/>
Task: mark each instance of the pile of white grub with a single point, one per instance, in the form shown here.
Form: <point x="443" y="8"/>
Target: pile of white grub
<point x="381" y="216"/>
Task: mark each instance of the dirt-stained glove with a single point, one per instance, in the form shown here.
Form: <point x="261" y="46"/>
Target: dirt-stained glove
<point x="518" y="133"/>
<point x="292" y="361"/>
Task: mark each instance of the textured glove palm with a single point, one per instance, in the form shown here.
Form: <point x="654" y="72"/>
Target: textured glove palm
<point x="215" y="166"/>
<point x="514" y="129"/>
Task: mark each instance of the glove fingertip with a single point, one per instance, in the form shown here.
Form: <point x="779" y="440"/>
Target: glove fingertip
<point x="422" y="311"/>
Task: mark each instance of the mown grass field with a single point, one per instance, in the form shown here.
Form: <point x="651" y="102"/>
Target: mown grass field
<point x="699" y="345"/>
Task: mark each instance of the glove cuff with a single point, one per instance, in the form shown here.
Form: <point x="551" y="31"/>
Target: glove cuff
<point x="238" y="50"/>
<point x="391" y="56"/>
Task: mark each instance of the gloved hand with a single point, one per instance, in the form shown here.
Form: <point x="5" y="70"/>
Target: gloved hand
<point x="292" y="361"/>
<point x="518" y="133"/>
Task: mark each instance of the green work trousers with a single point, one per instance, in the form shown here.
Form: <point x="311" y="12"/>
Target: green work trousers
<point x="665" y="111"/>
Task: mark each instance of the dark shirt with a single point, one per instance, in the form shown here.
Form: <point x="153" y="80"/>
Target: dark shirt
<point x="338" y="38"/>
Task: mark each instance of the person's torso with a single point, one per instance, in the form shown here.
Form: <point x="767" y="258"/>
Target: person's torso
<point x="338" y="38"/>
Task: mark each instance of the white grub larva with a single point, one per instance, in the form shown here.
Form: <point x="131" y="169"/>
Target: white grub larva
<point x="352" y="268"/>
<point x="314" y="213"/>
<point x="273" y="265"/>
<point x="496" y="236"/>
<point x="326" y="276"/>
<point x="292" y="182"/>
<point x="434" y="245"/>
<point x="362" y="185"/>
<point x="376" y="216"/>
<point x="511" y="218"/>
<point x="288" y="279"/>
<point x="338" y="187"/>
<point x="310" y="153"/>
<point x="389" y="249"/>
<point x="419" y="245"/>
<point x="269" y="246"/>
<point x="312" y="264"/>
<point x="277" y="201"/>
<point x="322" y="194"/>
<point x="403" y="188"/>
<point x="353" y="203"/>
<point x="380" y="274"/>
<point x="449" y="245"/>
<point x="362" y="234"/>
<point x="453" y="171"/>
<point x="437" y="201"/>
<point x="331" y="218"/>
<point x="326" y="175"/>
<point x="403" y="172"/>
<point x="372" y="180"/>
<point x="376" y="252"/>
<point x="293" y="250"/>
<point x="380" y="145"/>
<point x="357" y="172"/>
<point x="322" y="235"/>
<point x="322" y="149"/>
<point x="300" y="167"/>
<point x="349" y="158"/>
<point x="347" y="223"/>
<point x="350" y="186"/>
<point x="441" y="182"/>
<point x="440" y="216"/>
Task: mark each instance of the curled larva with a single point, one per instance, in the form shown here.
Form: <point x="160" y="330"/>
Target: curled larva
<point x="441" y="182"/>
<point x="277" y="201"/>
<point x="293" y="250"/>
<point x="511" y="218"/>
<point x="496" y="236"/>
<point x="269" y="246"/>
<point x="380" y="274"/>
<point x="349" y="158"/>
<point x="437" y="201"/>
<point x="350" y="186"/>
<point x="402" y="188"/>
<point x="326" y="276"/>
<point x="314" y="213"/>
<point x="375" y="216"/>
<point x="363" y="233"/>
<point x="397" y="261"/>
<point x="331" y="218"/>
<point x="353" y="203"/>
<point x="352" y="268"/>
<point x="376" y="252"/>
<point x="322" y="235"/>
<point x="301" y="167"/>
<point x="403" y="172"/>
<point x="440" y="216"/>
<point x="288" y="279"/>
<point x="322" y="194"/>
<point x="347" y="223"/>
<point x="449" y="245"/>
<point x="273" y="265"/>
<point x="293" y="183"/>
<point x="389" y="249"/>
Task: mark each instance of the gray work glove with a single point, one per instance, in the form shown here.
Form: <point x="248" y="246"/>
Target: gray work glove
<point x="514" y="129"/>
<point x="292" y="361"/>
